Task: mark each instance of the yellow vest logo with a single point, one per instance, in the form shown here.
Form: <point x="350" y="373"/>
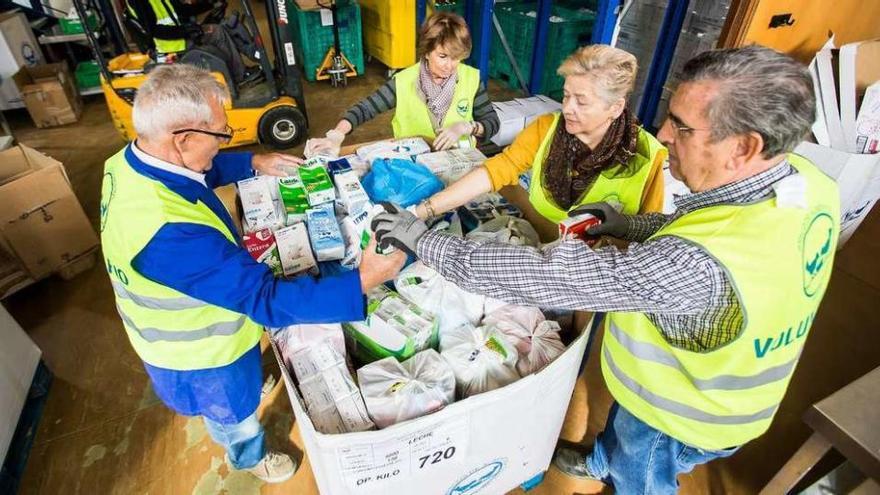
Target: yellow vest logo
<point x="107" y="186"/>
<point x="462" y="107"/>
<point x="816" y="250"/>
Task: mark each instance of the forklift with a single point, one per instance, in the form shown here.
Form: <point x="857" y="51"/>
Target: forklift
<point x="271" y="112"/>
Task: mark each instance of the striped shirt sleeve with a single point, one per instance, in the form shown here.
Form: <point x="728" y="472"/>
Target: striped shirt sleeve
<point x="485" y="114"/>
<point x="382" y="100"/>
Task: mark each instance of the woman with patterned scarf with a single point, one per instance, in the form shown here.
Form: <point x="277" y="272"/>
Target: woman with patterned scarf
<point x="593" y="151"/>
<point x="437" y="97"/>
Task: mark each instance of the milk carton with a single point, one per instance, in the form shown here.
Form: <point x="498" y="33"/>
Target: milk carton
<point x="262" y="247"/>
<point x="576" y="228"/>
<point x="256" y="202"/>
<point x="356" y="233"/>
<point x="317" y="181"/>
<point x="451" y="165"/>
<point x="325" y="235"/>
<point x="294" y="250"/>
<point x="351" y="193"/>
<point x="294" y="198"/>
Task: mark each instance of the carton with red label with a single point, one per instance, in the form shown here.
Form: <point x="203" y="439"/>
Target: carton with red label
<point x="262" y="247"/>
<point x="576" y="228"/>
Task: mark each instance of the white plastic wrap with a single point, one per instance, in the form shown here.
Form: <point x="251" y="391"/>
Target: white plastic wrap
<point x="395" y="391"/>
<point x="295" y="338"/>
<point x="428" y="290"/>
<point x="482" y="359"/>
<point x="506" y="229"/>
<point x="536" y="339"/>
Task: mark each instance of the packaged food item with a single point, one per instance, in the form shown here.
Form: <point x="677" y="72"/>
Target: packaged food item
<point x="451" y="165"/>
<point x="257" y="206"/>
<point x="294" y="198"/>
<point x="317" y="181"/>
<point x="357" y="164"/>
<point x="332" y="399"/>
<point x="356" y="233"/>
<point x="394" y="327"/>
<point x="482" y="359"/>
<point x="427" y="289"/>
<point x="339" y="166"/>
<point x="394" y="392"/>
<point x="325" y="235"/>
<point x="294" y="250"/>
<point x="404" y="149"/>
<point x="536" y="339"/>
<point x="262" y="247"/>
<point x="351" y="192"/>
<point x="576" y="228"/>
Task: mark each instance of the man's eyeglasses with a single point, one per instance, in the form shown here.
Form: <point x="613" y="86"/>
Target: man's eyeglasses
<point x="223" y="137"/>
<point x="680" y="129"/>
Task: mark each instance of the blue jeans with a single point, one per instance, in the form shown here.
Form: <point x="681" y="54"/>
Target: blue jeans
<point x="637" y="459"/>
<point x="244" y="442"/>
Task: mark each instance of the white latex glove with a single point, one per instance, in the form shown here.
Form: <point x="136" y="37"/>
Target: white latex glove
<point x="449" y="136"/>
<point x="328" y="145"/>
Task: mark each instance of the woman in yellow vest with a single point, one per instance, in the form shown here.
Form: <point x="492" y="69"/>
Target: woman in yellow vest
<point x="594" y="150"/>
<point x="438" y="97"/>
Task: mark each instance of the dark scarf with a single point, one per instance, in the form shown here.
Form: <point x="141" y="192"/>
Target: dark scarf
<point x="571" y="167"/>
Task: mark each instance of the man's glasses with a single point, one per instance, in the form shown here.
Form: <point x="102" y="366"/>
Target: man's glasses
<point x="223" y="137"/>
<point x="680" y="129"/>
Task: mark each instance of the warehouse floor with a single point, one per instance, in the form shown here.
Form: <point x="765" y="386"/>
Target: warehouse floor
<point x="104" y="431"/>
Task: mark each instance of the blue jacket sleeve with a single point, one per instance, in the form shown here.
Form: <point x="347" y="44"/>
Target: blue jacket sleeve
<point x="229" y="167"/>
<point x="200" y="262"/>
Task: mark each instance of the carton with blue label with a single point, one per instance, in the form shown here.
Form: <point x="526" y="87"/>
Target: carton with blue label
<point x="324" y="232"/>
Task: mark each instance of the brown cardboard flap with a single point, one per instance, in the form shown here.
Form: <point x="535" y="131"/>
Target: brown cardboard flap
<point x="50" y="236"/>
<point x="13" y="164"/>
<point x="33" y="191"/>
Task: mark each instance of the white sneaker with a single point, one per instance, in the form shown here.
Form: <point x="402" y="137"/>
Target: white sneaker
<point x="274" y="467"/>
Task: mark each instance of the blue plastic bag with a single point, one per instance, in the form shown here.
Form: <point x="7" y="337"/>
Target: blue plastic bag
<point x="400" y="182"/>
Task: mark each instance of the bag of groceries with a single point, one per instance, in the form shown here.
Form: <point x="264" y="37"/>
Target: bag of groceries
<point x="482" y="359"/>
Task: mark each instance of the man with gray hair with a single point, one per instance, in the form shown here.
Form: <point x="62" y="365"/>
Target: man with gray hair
<point x="708" y="308"/>
<point x="192" y="300"/>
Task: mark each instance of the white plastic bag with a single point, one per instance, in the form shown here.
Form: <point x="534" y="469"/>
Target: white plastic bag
<point x="482" y="359"/>
<point x="506" y="229"/>
<point x="395" y="391"/>
<point x="428" y="290"/>
<point x="536" y="339"/>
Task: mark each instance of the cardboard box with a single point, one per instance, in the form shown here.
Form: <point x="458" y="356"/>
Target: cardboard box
<point x="41" y="222"/>
<point x="488" y="443"/>
<point x="18" y="48"/>
<point x="20" y="357"/>
<point x="50" y="95"/>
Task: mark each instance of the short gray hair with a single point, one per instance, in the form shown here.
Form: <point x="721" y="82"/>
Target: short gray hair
<point x="175" y="96"/>
<point x="761" y="91"/>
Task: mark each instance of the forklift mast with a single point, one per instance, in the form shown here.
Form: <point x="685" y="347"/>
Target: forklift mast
<point x="286" y="66"/>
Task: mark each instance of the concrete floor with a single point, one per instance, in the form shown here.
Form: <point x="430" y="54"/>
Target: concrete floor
<point x="104" y="431"/>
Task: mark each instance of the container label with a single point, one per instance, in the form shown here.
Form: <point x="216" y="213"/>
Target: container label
<point x="288" y="49"/>
<point x="365" y="467"/>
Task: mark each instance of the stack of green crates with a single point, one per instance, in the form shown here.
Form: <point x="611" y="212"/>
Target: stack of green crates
<point x="569" y="28"/>
<point x="313" y="39"/>
<point x="73" y="24"/>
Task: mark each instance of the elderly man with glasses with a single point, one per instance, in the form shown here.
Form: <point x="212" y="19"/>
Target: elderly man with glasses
<point x="708" y="308"/>
<point x="192" y="300"/>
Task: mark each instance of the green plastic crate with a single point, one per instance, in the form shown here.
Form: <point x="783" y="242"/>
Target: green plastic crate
<point x="313" y="40"/>
<point x="88" y="74"/>
<point x="73" y="25"/>
<point x="572" y="28"/>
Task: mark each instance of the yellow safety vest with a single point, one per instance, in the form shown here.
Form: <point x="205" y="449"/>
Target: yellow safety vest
<point x="620" y="185"/>
<point x="167" y="328"/>
<point x="412" y="116"/>
<point x="778" y="258"/>
<point x="165" y="16"/>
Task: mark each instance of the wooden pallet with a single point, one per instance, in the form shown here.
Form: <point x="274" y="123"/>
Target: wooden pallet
<point x="13" y="276"/>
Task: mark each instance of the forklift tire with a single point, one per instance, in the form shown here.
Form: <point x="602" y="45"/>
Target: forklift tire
<point x="282" y="127"/>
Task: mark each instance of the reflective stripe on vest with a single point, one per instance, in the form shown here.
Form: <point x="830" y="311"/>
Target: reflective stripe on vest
<point x="166" y="327"/>
<point x="778" y="258"/>
<point x="225" y="328"/>
<point x="650" y="352"/>
<point x="411" y="114"/>
<point x="622" y="185"/>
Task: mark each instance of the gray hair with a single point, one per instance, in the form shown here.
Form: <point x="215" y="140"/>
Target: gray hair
<point x="173" y="97"/>
<point x="761" y="91"/>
